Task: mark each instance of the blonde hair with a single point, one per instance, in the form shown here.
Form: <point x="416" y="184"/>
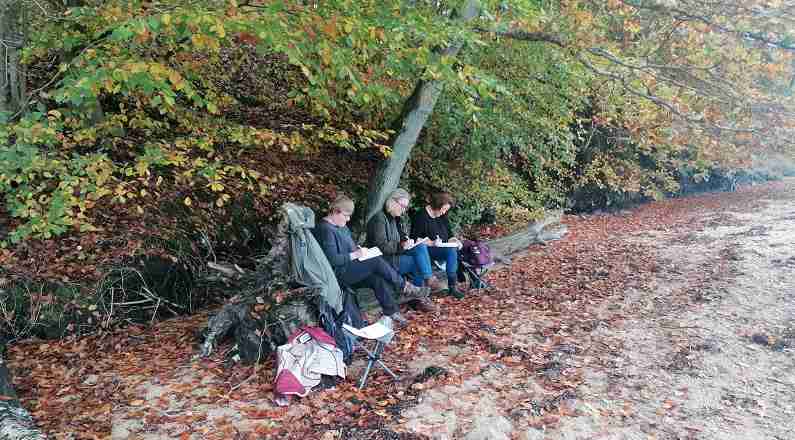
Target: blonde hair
<point x="342" y="203"/>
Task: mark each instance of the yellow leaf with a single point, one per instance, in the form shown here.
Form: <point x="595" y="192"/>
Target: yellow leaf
<point x="187" y="201"/>
<point x="166" y="19"/>
<point x="219" y="30"/>
<point x="215" y="186"/>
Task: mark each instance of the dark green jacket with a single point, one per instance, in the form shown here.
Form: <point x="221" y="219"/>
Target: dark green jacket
<point x="386" y="232"/>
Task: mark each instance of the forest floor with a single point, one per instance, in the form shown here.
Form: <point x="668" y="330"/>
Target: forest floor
<point x="673" y="320"/>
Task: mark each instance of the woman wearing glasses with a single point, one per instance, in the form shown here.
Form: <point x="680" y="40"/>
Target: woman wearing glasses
<point x="386" y="231"/>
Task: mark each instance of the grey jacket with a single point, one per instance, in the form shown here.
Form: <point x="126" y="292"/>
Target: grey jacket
<point x="308" y="263"/>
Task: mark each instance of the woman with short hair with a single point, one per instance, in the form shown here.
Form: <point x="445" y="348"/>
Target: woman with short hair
<point x="432" y="222"/>
<point x="385" y="230"/>
<point x="343" y="254"/>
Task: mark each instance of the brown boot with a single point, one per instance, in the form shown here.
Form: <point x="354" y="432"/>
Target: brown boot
<point x="398" y="320"/>
<point x="413" y="292"/>
<point x="424" y="305"/>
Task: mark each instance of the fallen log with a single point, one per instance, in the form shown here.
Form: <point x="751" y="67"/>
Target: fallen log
<point x="15" y="422"/>
<point x="543" y="230"/>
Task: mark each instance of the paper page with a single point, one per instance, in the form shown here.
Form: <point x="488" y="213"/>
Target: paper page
<point x="372" y="331"/>
<point x="370" y="253"/>
<point x="450" y="244"/>
<point x="417" y="243"/>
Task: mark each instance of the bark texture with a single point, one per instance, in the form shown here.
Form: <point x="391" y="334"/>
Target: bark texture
<point x="271" y="305"/>
<point x="543" y="230"/>
<point x="15" y="422"/>
<point x="12" y="76"/>
<point x="413" y="118"/>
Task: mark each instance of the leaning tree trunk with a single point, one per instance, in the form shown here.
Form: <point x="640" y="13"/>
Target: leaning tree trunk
<point x="12" y="78"/>
<point x="413" y="118"/>
<point x="15" y="422"/>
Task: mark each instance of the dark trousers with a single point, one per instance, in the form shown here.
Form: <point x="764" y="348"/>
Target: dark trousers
<point x="378" y="275"/>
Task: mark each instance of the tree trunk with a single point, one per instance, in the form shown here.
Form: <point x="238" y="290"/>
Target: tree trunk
<point x="413" y="118"/>
<point x="12" y="76"/>
<point x="15" y="422"/>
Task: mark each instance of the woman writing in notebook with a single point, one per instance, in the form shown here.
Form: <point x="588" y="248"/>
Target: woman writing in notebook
<point x="353" y="268"/>
<point x="432" y="222"/>
<point x="406" y="255"/>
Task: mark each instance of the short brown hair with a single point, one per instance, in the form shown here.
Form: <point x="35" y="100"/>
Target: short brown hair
<point x="440" y="199"/>
<point x="342" y="203"/>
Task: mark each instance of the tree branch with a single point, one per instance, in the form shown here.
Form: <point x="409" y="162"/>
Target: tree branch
<point x="542" y="37"/>
<point x="657" y="100"/>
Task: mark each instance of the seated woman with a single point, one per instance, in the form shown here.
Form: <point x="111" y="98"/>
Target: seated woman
<point x="432" y="222"/>
<point x="386" y="232"/>
<point x="342" y="253"/>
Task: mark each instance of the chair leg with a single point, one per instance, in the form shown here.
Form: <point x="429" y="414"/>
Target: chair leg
<point x="366" y="373"/>
<point x="394" y="376"/>
<point x="373" y="357"/>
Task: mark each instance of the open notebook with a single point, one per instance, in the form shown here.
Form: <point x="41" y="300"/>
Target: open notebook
<point x="370" y="253"/>
<point x="418" y="242"/>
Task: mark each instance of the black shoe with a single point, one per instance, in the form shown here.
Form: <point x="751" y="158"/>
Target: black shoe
<point x="457" y="294"/>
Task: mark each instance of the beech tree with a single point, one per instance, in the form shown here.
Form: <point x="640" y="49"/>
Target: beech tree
<point x="714" y="74"/>
<point x="12" y="37"/>
<point x="713" y="78"/>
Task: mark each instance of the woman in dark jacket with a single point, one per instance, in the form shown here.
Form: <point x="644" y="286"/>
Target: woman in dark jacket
<point x="432" y="222"/>
<point x="344" y="256"/>
<point x="386" y="231"/>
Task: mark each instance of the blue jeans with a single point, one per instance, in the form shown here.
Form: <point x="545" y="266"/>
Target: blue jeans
<point x="416" y="262"/>
<point x="448" y="256"/>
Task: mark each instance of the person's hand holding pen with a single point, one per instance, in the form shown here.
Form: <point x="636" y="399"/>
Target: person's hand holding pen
<point x="358" y="253"/>
<point x="407" y="242"/>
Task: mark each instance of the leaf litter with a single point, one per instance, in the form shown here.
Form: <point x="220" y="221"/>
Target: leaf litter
<point x="532" y="357"/>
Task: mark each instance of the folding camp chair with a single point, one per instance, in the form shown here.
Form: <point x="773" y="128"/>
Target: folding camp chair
<point x="381" y="332"/>
<point x="475" y="274"/>
<point x="467" y="272"/>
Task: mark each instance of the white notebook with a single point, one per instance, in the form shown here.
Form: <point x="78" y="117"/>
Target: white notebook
<point x="370" y="253"/>
<point x="418" y="242"/>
